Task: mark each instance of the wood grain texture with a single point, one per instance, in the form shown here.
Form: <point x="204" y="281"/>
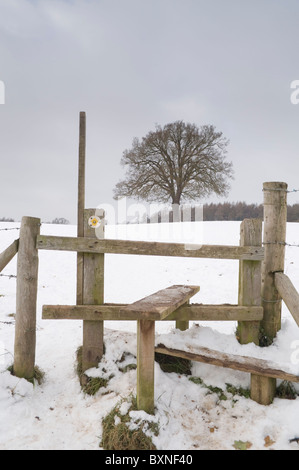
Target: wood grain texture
<point x="116" y="312"/>
<point x="250" y="280"/>
<point x="129" y="247"/>
<point x="160" y="304"/>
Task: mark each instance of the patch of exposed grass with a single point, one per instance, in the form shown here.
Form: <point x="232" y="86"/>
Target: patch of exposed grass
<point x="117" y="435"/>
<point x="127" y="367"/>
<point x="239" y="391"/>
<point x="286" y="390"/>
<point x="37" y="377"/>
<point x="89" y="385"/>
<point x="93" y="384"/>
<point x="173" y="364"/>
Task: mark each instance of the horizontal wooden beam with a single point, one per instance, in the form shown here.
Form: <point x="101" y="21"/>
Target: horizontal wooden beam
<point x="129" y="247"/>
<point x="226" y="312"/>
<point x="162" y="303"/>
<point x="243" y="363"/>
<point x="7" y="255"/>
<point x="112" y="312"/>
<point x="288" y="293"/>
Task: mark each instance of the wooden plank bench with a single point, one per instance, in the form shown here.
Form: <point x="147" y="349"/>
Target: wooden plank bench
<point x="248" y="364"/>
<point x="256" y="367"/>
<point x="153" y="307"/>
<point x="160" y="304"/>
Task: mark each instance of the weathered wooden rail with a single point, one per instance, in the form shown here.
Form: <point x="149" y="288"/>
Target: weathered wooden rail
<point x="7" y="255"/>
<point x="188" y="312"/>
<point x="288" y="293"/>
<point x="129" y="247"/>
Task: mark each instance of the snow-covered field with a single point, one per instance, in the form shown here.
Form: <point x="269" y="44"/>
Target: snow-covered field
<point x="57" y="414"/>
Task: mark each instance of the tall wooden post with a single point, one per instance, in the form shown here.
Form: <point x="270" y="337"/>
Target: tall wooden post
<point x="250" y="280"/>
<point x="81" y="203"/>
<point x="93" y="294"/>
<point x="26" y="296"/>
<point x="275" y="222"/>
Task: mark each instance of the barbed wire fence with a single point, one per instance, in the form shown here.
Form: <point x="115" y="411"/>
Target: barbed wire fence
<point x="13" y="228"/>
<point x="294" y="245"/>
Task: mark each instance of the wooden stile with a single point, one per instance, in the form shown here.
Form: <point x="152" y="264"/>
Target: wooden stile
<point x="160" y="304"/>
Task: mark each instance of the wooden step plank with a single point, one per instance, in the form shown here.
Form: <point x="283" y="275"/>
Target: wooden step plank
<point x="160" y="304"/>
<point x="243" y="363"/>
<point x="191" y="312"/>
<point x="134" y="247"/>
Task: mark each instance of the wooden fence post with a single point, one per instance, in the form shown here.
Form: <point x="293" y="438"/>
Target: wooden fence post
<point x="250" y="280"/>
<point x="275" y="221"/>
<point x="93" y="294"/>
<point x="26" y="296"/>
<point x="145" y="365"/>
<point x="81" y="203"/>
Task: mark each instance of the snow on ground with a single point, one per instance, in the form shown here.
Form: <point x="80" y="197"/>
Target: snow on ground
<point x="58" y="415"/>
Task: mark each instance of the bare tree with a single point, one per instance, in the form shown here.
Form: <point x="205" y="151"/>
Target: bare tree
<point x="178" y="162"/>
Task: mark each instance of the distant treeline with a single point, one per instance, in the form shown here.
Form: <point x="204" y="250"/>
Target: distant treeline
<point x="241" y="210"/>
<point x="6" y="219"/>
<point x="225" y="211"/>
<point x="58" y="220"/>
<point x="220" y="211"/>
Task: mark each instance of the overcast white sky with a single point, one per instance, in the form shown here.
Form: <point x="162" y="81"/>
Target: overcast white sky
<point x="131" y="64"/>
